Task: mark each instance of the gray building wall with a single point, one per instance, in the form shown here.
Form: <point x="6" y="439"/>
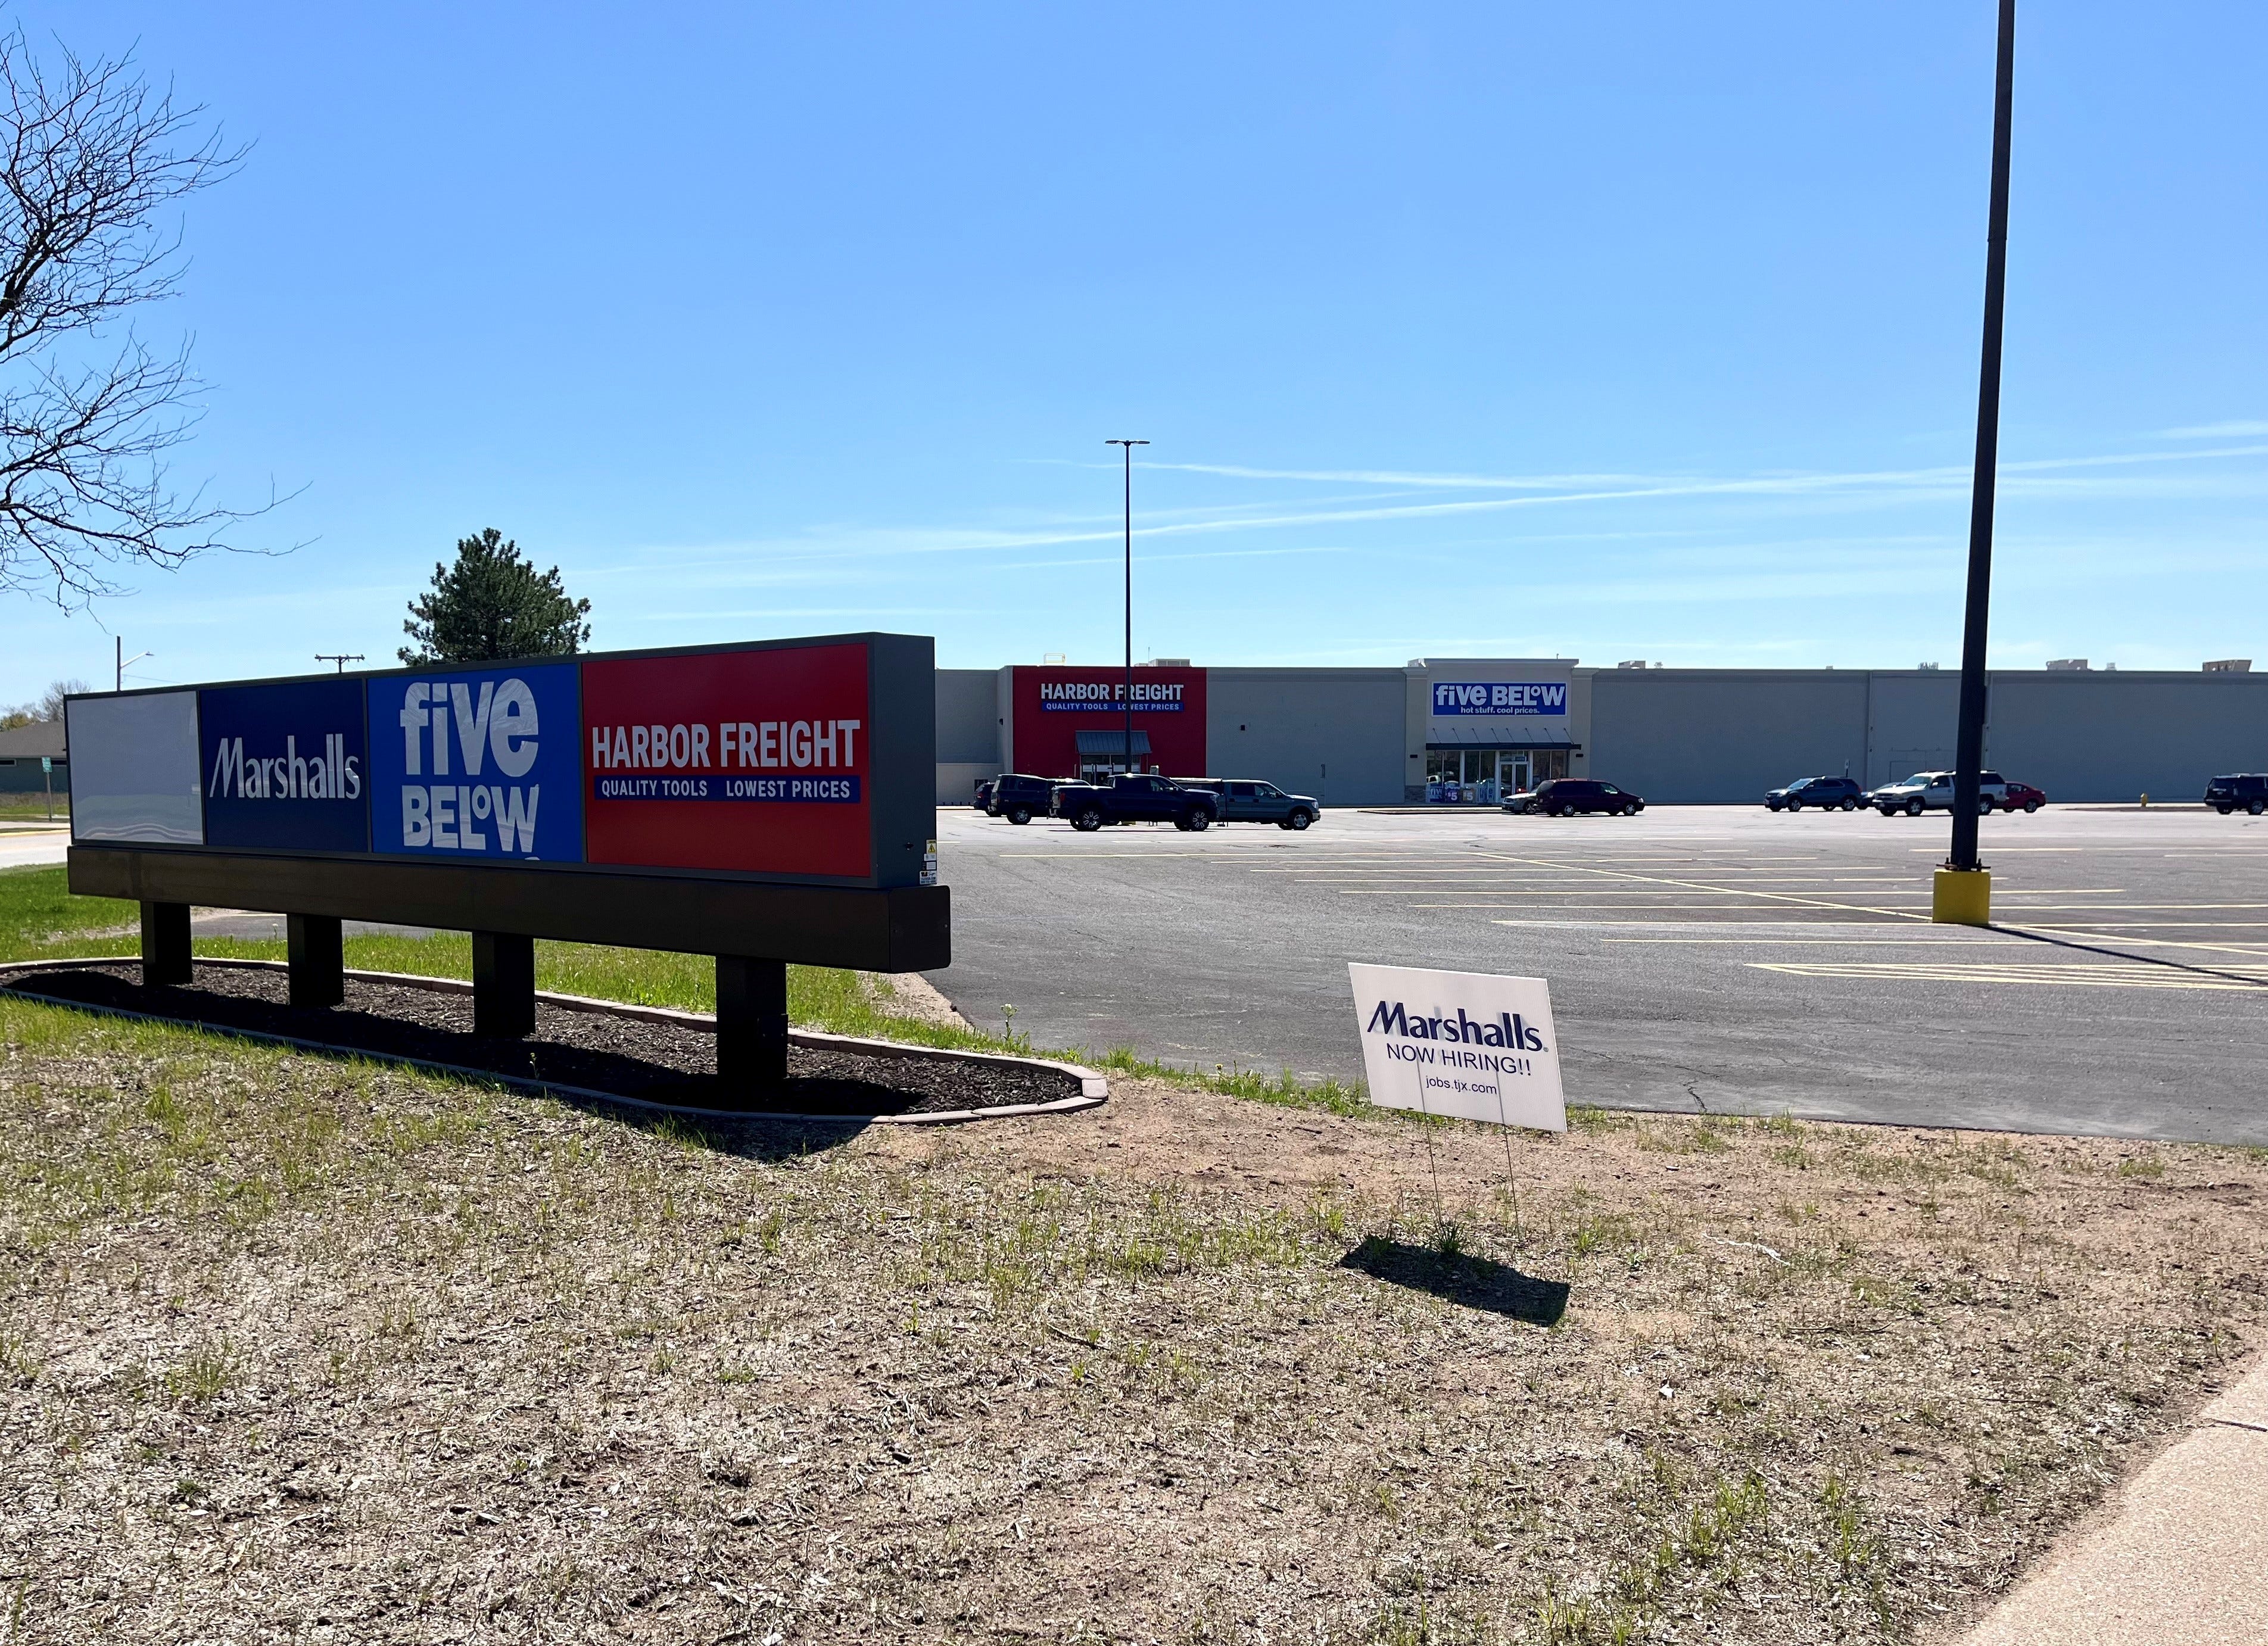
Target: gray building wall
<point x="968" y="731"/>
<point x="1719" y="735"/>
<point x="1914" y="724"/>
<point x="1333" y="733"/>
<point x="1724" y="734"/>
<point x="1697" y="736"/>
<point x="2116" y="736"/>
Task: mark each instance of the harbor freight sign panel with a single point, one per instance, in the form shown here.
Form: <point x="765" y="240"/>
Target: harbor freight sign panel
<point x="754" y="760"/>
<point x="478" y="763"/>
<point x="803" y="761"/>
<point x="1499" y="700"/>
<point x="1052" y="705"/>
<point x="1466" y="1044"/>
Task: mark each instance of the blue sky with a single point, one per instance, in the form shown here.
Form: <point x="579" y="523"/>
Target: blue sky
<point x="1645" y="331"/>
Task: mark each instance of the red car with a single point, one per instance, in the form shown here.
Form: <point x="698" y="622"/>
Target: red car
<point x="2023" y="795"/>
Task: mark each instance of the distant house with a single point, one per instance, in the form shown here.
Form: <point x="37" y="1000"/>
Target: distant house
<point x="21" y="750"/>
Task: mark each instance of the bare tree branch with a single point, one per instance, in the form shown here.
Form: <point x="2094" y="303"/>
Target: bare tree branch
<point x="90" y="157"/>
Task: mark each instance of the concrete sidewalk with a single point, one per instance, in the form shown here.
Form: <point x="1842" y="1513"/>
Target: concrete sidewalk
<point x="2180" y="1561"/>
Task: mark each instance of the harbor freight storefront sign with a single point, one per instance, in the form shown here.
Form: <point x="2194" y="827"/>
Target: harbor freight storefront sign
<point x="1465" y="1044"/>
<point x="1051" y="706"/>
<point x="1150" y="696"/>
<point x="799" y="761"/>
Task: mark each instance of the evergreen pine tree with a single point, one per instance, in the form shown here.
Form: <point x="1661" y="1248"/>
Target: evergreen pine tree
<point x="493" y="603"/>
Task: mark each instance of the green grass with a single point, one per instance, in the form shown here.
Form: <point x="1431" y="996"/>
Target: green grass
<point x="40" y="919"/>
<point x="33" y="808"/>
<point x="35" y="911"/>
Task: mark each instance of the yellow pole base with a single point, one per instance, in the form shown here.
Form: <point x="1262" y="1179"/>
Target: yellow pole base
<point x="1962" y="897"/>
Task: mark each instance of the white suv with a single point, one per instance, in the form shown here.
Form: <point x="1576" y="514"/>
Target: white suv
<point x="1932" y="792"/>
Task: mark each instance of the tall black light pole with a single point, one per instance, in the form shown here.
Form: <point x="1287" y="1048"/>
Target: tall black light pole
<point x="1970" y="903"/>
<point x="1130" y="445"/>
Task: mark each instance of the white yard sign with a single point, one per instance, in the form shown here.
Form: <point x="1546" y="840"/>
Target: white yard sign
<point x="1461" y="1043"/>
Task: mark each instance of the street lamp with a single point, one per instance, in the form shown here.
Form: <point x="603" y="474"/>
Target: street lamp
<point x="1130" y="445"/>
<point x="1962" y="894"/>
<point x="125" y="662"/>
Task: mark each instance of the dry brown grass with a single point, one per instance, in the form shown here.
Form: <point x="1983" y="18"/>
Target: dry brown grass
<point x="295" y="1349"/>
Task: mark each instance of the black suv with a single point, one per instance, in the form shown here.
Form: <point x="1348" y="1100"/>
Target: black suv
<point x="2248" y="789"/>
<point x="1823" y="792"/>
<point x="1563" y="796"/>
<point x="1016" y="796"/>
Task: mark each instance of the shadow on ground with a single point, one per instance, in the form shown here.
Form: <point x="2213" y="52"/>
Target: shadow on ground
<point x="1459" y="1278"/>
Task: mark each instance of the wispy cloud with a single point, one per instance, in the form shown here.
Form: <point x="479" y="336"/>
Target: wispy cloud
<point x="2241" y="429"/>
<point x="832" y="553"/>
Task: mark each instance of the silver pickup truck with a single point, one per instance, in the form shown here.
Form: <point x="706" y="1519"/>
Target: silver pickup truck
<point x="1932" y="792"/>
<point x="1251" y="800"/>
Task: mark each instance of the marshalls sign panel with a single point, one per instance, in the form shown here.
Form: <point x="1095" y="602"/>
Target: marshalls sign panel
<point x="1466" y="1044"/>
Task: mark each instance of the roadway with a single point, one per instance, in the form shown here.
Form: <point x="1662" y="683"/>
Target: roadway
<point x="23" y="845"/>
<point x="1699" y="958"/>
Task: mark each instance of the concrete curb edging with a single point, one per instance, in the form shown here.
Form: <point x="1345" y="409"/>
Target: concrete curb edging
<point x="1095" y="1089"/>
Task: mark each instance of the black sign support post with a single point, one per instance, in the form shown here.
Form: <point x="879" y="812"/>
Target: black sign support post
<point x="315" y="950"/>
<point x="751" y="1022"/>
<point x="165" y="943"/>
<point x="504" y="985"/>
<point x="1962" y="892"/>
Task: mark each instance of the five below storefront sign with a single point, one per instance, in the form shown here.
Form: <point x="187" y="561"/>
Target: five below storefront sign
<point x="1061" y="696"/>
<point x="1498" y="699"/>
<point x="1466" y="1044"/>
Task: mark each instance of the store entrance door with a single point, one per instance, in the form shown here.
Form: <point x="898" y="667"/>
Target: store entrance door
<point x="1484" y="776"/>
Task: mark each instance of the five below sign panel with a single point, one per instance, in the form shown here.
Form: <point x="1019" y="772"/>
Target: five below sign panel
<point x="1466" y="1044"/>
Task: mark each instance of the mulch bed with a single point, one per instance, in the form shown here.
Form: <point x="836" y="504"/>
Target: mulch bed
<point x="599" y="1051"/>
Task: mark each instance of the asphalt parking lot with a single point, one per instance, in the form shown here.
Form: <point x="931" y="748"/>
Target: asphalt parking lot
<point x="1709" y="958"/>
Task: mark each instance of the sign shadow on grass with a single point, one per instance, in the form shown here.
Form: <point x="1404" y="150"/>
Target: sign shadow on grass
<point x="1460" y="1277"/>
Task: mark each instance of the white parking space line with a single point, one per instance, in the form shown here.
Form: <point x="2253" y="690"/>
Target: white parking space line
<point x="2069" y="975"/>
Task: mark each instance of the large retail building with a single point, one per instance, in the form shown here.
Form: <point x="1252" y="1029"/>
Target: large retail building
<point x="1469" y="728"/>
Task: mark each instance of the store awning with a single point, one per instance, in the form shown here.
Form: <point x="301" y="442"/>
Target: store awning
<point x="1108" y="743"/>
<point x="1500" y="737"/>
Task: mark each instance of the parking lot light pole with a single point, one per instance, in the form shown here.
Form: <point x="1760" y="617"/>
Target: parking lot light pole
<point x="1962" y="892"/>
<point x="1130" y="445"/>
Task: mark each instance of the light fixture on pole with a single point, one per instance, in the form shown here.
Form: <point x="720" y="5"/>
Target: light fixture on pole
<point x="1962" y="894"/>
<point x="1130" y="445"/>
<point x="125" y="662"/>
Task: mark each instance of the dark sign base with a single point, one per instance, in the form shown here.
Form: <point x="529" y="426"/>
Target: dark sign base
<point x="901" y="929"/>
<point x="755" y="930"/>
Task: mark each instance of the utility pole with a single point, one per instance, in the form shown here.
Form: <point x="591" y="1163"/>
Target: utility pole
<point x="125" y="662"/>
<point x="1962" y="892"/>
<point x="341" y="657"/>
<point x="1130" y="445"/>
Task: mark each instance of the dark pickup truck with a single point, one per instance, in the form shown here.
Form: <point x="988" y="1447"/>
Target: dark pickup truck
<point x="1133" y="797"/>
<point x="1251" y="800"/>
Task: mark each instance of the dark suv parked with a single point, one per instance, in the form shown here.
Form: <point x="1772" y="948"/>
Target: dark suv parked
<point x="1822" y="792"/>
<point x="2248" y="789"/>
<point x="1016" y="796"/>
<point x="1563" y="796"/>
